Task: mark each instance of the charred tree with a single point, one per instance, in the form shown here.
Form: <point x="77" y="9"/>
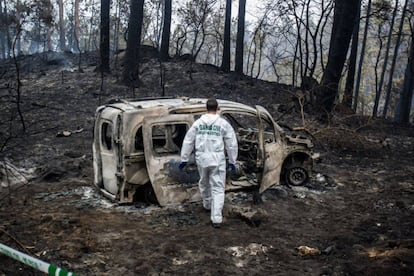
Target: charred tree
<point x="402" y="112"/>
<point x="225" y="63"/>
<point x="166" y="32"/>
<point x="345" y="11"/>
<point x="256" y="48"/>
<point x="76" y="27"/>
<point x="3" y="26"/>
<point x="321" y="36"/>
<point x="77" y="33"/>
<point x="131" y="63"/>
<point x="384" y="65"/>
<point x="350" y="78"/>
<point x="104" y="36"/>
<point x="62" y="39"/>
<point x="361" y="57"/>
<point x="319" y="30"/>
<point x="116" y="25"/>
<point x="298" y="56"/>
<point x="394" y="60"/>
<point x="18" y="81"/>
<point x="240" y="38"/>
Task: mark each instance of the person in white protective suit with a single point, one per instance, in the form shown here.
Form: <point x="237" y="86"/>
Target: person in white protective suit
<point x="210" y="135"/>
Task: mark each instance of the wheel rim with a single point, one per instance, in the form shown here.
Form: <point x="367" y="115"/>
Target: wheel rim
<point x="297" y="176"/>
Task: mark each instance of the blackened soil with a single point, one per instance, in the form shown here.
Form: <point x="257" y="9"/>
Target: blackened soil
<point x="358" y="210"/>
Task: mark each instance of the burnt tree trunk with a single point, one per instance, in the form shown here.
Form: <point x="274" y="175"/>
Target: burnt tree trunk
<point x="166" y="32"/>
<point x="345" y="11"/>
<point x="402" y="113"/>
<point x="384" y="65"/>
<point x="2" y="32"/>
<point x="131" y="67"/>
<point x="18" y="81"/>
<point x="394" y="60"/>
<point x="361" y="58"/>
<point x="240" y="37"/>
<point x="62" y="39"/>
<point x="350" y="78"/>
<point x="225" y="63"/>
<point x="104" y="36"/>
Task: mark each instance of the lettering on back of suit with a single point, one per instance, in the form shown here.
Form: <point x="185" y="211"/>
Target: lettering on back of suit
<point x="209" y="130"/>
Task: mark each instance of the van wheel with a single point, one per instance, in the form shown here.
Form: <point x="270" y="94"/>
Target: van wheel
<point x="149" y="194"/>
<point x="296" y="175"/>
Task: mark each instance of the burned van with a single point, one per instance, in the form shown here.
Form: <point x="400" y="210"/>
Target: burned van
<point x="137" y="144"/>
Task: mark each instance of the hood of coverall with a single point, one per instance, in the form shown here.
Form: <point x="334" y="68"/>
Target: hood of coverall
<point x="209" y="118"/>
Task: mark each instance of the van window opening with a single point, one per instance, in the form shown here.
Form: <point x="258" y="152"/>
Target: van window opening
<point x="139" y="140"/>
<point x="269" y="131"/>
<point x="106" y="134"/>
<point x="168" y="139"/>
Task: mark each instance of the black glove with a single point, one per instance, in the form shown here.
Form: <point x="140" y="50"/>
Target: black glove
<point x="181" y="165"/>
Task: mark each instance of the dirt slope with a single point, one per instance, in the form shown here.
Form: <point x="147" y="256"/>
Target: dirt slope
<point x="358" y="210"/>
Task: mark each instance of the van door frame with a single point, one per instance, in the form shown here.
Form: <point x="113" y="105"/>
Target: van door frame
<point x="270" y="155"/>
<point x="110" y="159"/>
<point x="167" y="188"/>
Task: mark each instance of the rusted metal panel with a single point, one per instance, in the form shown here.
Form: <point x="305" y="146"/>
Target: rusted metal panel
<point x="163" y="160"/>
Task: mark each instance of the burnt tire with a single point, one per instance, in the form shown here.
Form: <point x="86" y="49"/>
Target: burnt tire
<point x="296" y="175"/>
<point x="149" y="194"/>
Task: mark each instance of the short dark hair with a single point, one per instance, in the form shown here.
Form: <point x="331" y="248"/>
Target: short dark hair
<point x="212" y="104"/>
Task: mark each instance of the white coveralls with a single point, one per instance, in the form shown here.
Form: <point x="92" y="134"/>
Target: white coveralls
<point x="210" y="134"/>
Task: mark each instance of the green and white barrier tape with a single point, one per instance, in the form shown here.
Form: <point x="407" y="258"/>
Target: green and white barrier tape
<point x="33" y="262"/>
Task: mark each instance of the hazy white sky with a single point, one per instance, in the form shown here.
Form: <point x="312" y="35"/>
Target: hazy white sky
<point x="250" y="8"/>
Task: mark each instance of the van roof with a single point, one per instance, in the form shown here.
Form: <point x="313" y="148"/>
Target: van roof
<point x="175" y="105"/>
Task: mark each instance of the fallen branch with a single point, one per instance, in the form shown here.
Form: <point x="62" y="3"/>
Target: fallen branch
<point x="15" y="240"/>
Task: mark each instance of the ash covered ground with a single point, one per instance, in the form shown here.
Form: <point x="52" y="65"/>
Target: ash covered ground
<point x="357" y="212"/>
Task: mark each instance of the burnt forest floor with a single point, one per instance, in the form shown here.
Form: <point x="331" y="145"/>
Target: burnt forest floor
<point x="357" y="213"/>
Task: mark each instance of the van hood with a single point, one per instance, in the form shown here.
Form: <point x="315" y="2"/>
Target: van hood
<point x="294" y="139"/>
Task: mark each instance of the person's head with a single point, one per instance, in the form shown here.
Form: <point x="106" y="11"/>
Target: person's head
<point x="212" y="105"/>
